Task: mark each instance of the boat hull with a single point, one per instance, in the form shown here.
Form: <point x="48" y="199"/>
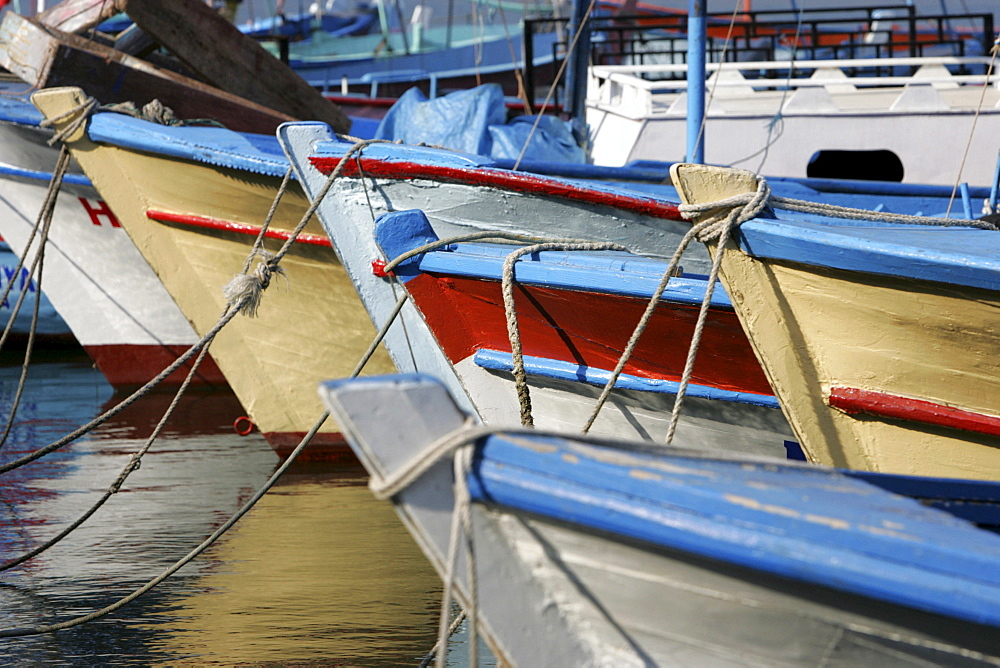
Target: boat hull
<point x="96" y="279"/>
<point x="880" y="340"/>
<point x="890" y="133"/>
<point x="907" y="341"/>
<point x="194" y="224"/>
<point x="600" y="552"/>
<point x="572" y="338"/>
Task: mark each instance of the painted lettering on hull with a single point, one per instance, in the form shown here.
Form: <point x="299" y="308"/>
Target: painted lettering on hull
<point x="99" y="210"/>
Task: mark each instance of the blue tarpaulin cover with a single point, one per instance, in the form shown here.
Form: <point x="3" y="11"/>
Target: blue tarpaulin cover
<point x="475" y="121"/>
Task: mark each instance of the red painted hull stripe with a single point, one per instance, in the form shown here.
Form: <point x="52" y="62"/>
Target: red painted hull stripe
<point x="231" y="226"/>
<point x="856" y="401"/>
<point x="502" y="179"/>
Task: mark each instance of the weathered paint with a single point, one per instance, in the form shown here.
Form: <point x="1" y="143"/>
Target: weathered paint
<point x="96" y="279"/>
<point x="309" y="327"/>
<point x="573" y="371"/>
<point x="593" y="552"/>
<point x="132" y="365"/>
<point x="587" y="328"/>
<point x="501" y="179"/>
<point x="815" y="327"/>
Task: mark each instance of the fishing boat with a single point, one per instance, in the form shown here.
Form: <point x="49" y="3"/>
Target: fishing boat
<point x="575" y="312"/>
<point x="596" y="552"/>
<point x="102" y="288"/>
<point x="455" y="327"/>
<point x="193" y="200"/>
<point x="298" y="26"/>
<point x="810" y="113"/>
<point x="880" y="340"/>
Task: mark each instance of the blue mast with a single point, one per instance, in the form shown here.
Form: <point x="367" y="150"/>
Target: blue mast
<point x="696" y="46"/>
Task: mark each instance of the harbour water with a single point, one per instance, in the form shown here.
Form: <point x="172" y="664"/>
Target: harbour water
<point x="318" y="573"/>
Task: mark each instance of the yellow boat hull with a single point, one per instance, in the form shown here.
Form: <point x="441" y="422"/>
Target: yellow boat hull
<point x="836" y="343"/>
<point x="195" y="224"/>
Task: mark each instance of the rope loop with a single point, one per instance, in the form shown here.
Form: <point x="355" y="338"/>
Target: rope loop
<point x="81" y="112"/>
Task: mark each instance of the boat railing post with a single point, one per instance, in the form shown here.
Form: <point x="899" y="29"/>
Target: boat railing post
<point x="995" y="190"/>
<point x="966" y="200"/>
<point x="576" y="72"/>
<point x="528" y="58"/>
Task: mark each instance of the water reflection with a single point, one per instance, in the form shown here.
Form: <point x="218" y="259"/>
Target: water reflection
<point x="319" y="572"/>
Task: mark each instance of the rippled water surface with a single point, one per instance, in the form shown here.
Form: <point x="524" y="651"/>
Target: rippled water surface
<point x="319" y="572"/>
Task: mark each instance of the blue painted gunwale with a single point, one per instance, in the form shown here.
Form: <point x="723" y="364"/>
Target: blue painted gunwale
<point x="977" y="501"/>
<point x="259" y="154"/>
<point x="611" y="272"/>
<point x="15" y="109"/>
<point x="497" y="360"/>
<point x="954" y="255"/>
<point x="657" y="172"/>
<point x="436" y="157"/>
<point x="15" y="106"/>
<point x="806" y="523"/>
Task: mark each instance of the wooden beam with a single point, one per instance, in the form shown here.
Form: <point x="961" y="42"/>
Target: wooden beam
<point x="217" y="52"/>
<point x="46" y="57"/>
<point x="78" y="15"/>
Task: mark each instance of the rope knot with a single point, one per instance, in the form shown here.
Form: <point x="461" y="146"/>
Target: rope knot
<point x="82" y="112"/>
<point x="726" y="213"/>
<point x="244" y="291"/>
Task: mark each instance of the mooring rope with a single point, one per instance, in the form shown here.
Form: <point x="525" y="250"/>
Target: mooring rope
<point x="37" y="630"/>
<point x="672" y="269"/>
<point x="249" y="296"/>
<point x="29" y="347"/>
<point x="507" y="286"/>
<point x="484" y="235"/>
<point x="247" y="288"/>
<point x="43" y="220"/>
<point x="510" y="311"/>
<point x="132" y="465"/>
<point x="468" y="437"/>
<point x="552" y="89"/>
<point x="713" y="230"/>
<point x="230" y="313"/>
<point x="258" y="243"/>
<point x="11" y="633"/>
<point x="232" y="308"/>
<point x="459" y="618"/>
<point x="458" y="443"/>
<point x="154" y="112"/>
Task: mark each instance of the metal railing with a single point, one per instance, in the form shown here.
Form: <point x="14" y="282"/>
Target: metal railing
<point x="770" y="35"/>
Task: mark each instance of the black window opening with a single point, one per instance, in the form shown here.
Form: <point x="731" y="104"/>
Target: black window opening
<point x="881" y="165"/>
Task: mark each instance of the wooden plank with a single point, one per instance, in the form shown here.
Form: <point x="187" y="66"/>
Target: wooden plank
<point x="217" y="52"/>
<point x="46" y="58"/>
<point x="77" y="15"/>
